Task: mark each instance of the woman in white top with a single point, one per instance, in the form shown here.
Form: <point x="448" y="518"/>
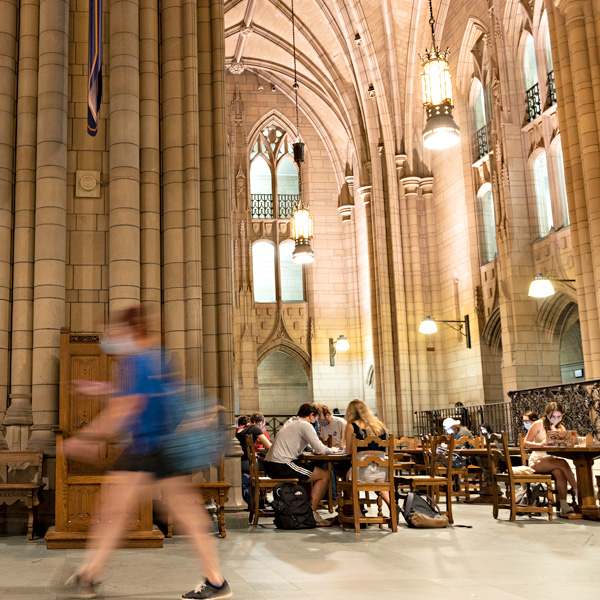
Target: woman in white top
<point x="541" y="462"/>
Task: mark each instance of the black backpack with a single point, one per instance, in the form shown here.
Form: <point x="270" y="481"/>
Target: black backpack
<point x="291" y="506"/>
<point x="419" y="510"/>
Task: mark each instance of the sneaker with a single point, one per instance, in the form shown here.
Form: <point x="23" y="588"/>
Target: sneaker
<point x="75" y="587"/>
<point x="208" y="590"/>
<point x="320" y="521"/>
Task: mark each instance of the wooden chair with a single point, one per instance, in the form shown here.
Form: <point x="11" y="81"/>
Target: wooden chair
<point x="17" y="483"/>
<point x="259" y="485"/>
<point x="411" y="443"/>
<point x="433" y="481"/>
<point x="354" y="493"/>
<point x="500" y="453"/>
<point x="472" y="479"/>
<point x="329" y="443"/>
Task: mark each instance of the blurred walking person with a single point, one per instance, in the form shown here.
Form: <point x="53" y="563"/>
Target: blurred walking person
<point x="142" y="410"/>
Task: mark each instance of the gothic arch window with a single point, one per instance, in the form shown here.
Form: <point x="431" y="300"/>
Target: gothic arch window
<point x="530" y="76"/>
<point x="549" y="63"/>
<point x="558" y="167"/>
<point x="263" y="271"/>
<point x="479" y="120"/>
<point x="542" y="193"/>
<point x="487" y="224"/>
<point x="273" y="175"/>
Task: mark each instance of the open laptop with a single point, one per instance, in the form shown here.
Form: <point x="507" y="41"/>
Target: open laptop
<point x="563" y="438"/>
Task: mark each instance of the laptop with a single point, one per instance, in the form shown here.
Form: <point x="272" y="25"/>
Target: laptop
<point x="564" y="438"/>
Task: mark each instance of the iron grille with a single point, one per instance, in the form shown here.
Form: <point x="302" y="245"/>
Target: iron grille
<point x="534" y="105"/>
<point x="480" y="143"/>
<point x="262" y="206"/>
<point x="551" y="89"/>
<point x="285" y="205"/>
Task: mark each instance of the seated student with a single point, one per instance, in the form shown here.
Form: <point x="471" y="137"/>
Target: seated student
<point x="362" y="423"/>
<point x="259" y="420"/>
<point x="331" y="426"/>
<point x="256" y="431"/>
<point x="241" y="423"/>
<point x="541" y="462"/>
<point x="453" y="427"/>
<point x="529" y="418"/>
<point x="281" y="461"/>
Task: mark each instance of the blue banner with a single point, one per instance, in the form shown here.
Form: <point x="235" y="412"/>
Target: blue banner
<point x="94" y="66"/>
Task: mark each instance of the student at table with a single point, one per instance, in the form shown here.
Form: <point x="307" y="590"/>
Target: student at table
<point x="331" y="426"/>
<point x="541" y="462"/>
<point x="256" y="431"/>
<point x="281" y="461"/>
<point x="529" y="418"/>
<point x="362" y="423"/>
<point x="457" y="429"/>
<point x="259" y="420"/>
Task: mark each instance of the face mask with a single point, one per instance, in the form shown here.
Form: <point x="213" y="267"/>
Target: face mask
<point x="527" y="426"/>
<point x="555" y="420"/>
<point x="484" y="431"/>
<point x="124" y="344"/>
<point x="450" y="431"/>
<point x="323" y="422"/>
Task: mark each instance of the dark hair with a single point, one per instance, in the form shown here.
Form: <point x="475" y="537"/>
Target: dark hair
<point x="487" y="427"/>
<point x="336" y="411"/>
<point x="243" y="420"/>
<point x="550" y="408"/>
<point x="307" y="409"/>
<point x="256" y="417"/>
<point x="532" y="416"/>
<point x="136" y="317"/>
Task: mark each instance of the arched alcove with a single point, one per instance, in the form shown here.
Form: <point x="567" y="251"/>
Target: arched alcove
<point x="282" y="384"/>
<point x="571" y="354"/>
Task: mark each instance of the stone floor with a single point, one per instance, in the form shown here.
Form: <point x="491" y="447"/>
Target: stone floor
<point x="495" y="560"/>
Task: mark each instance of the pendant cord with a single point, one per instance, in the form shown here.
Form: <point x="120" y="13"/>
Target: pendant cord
<point x="295" y="72"/>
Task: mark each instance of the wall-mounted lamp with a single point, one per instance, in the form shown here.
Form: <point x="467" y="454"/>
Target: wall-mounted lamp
<point x="541" y="286"/>
<point x="428" y="325"/>
<point x="335" y="346"/>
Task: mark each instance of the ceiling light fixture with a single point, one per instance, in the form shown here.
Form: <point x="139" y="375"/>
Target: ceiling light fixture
<point x="441" y="131"/>
<point x="302" y="223"/>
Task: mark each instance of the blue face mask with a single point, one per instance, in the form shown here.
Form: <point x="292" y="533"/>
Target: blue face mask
<point x="527" y="426"/>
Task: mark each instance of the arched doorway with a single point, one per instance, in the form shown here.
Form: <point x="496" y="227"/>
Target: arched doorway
<point x="282" y="384"/>
<point x="571" y="354"/>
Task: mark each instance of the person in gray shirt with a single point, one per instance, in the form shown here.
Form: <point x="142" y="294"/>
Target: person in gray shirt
<point x="281" y="462"/>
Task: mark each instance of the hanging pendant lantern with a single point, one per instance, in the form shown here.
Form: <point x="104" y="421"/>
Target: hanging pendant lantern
<point x="441" y="131"/>
<point x="301" y="224"/>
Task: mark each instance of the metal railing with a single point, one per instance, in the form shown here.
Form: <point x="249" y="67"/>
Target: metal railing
<point x="480" y="142"/>
<point x="262" y="206"/>
<point x="534" y="104"/>
<point x="551" y="89"/>
<point x="498" y="415"/>
<point x="285" y="205"/>
<point x="580" y="400"/>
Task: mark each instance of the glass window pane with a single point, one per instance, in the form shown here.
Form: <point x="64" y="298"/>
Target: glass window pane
<point x="529" y="64"/>
<point x="488" y="226"/>
<point x="542" y="192"/>
<point x="292" y="289"/>
<point x="480" y="119"/>
<point x="263" y="270"/>
<point x="559" y="166"/>
<point x="260" y="177"/>
<point x="549" y="62"/>
<point x="287" y="177"/>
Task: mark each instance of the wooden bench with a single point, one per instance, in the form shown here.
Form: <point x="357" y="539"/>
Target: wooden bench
<point x="17" y="483"/>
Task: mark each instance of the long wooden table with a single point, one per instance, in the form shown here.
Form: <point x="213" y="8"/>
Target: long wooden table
<point x="584" y="461"/>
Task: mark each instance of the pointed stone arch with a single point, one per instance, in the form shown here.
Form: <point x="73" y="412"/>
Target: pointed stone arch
<point x="288" y="347"/>
<point x="473" y="31"/>
<point x="492" y="332"/>
<point x="556" y="314"/>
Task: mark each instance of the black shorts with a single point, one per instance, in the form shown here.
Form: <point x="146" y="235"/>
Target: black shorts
<point x="152" y="462"/>
<point x="292" y="470"/>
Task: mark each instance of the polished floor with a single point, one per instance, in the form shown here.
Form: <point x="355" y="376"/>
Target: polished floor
<point x="495" y="560"/>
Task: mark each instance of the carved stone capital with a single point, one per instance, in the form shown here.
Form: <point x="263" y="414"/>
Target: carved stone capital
<point x="410" y="184"/>
<point x="426" y="185"/>
<point x="365" y="193"/>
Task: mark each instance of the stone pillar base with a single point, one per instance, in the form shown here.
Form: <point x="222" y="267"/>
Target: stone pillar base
<point x="43" y="438"/>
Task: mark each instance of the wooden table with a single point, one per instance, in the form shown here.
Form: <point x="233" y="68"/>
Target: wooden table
<point x="584" y="461"/>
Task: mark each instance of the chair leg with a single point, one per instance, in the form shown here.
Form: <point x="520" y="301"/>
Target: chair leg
<point x="256" y="504"/>
<point x="449" y="504"/>
<point x="495" y="492"/>
<point x="356" y="512"/>
<point x="510" y="492"/>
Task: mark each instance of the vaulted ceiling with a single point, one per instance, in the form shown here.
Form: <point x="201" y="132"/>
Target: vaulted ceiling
<point x="357" y="63"/>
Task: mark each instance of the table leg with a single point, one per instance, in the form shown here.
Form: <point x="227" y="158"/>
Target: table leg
<point x="586" y="500"/>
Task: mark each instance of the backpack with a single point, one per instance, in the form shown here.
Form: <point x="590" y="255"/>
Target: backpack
<point x="420" y="510"/>
<point x="458" y="461"/>
<point x="533" y="494"/>
<point x="291" y="506"/>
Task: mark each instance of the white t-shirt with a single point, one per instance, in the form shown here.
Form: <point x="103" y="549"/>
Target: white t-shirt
<point x="335" y="429"/>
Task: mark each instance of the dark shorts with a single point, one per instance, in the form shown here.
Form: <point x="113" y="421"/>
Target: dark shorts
<point x="292" y="470"/>
<point x="152" y="462"/>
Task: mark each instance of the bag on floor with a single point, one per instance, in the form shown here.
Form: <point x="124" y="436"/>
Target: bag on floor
<point x="419" y="510"/>
<point x="291" y="506"/>
<point x="458" y="461"/>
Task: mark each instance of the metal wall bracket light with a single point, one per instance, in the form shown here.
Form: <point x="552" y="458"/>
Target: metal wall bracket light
<point x="428" y="325"/>
<point x="441" y="131"/>
<point x="335" y="346"/>
<point x="541" y="286"/>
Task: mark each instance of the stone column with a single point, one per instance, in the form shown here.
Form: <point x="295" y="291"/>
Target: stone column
<point x="18" y="416"/>
<point x="124" y="155"/>
<point x="8" y="62"/>
<point x="575" y="46"/>
<point x="50" y="220"/>
<point x="172" y="179"/>
<point x="150" y="157"/>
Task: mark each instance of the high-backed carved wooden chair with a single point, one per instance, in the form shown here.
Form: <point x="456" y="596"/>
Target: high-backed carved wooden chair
<point x="259" y="485"/>
<point x="418" y="466"/>
<point x="440" y="471"/>
<point x="471" y="478"/>
<point x="498" y="454"/>
<point x="352" y="494"/>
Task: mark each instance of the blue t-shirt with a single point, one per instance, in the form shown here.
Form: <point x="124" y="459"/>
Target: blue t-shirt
<point x="153" y="422"/>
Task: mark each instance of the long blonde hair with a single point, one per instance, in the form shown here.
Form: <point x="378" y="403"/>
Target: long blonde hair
<point x="358" y="411"/>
